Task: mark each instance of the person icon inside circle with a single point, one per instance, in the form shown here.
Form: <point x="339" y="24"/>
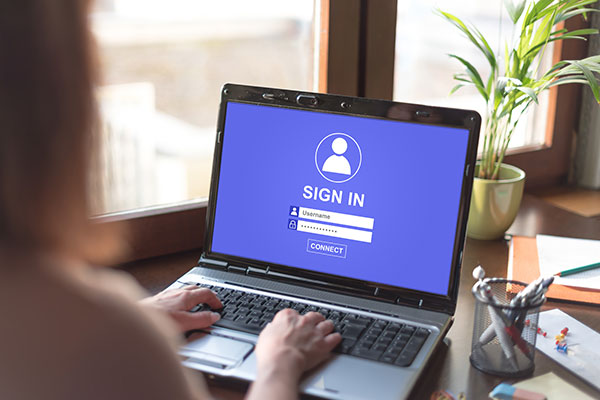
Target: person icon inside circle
<point x="337" y="163"/>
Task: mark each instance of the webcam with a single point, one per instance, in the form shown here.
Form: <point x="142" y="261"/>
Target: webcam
<point x="307" y="100"/>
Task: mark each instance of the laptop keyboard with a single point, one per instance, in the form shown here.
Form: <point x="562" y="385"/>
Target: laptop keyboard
<point x="363" y="337"/>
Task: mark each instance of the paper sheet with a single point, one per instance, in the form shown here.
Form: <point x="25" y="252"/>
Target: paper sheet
<point x="583" y="352"/>
<point x="560" y="253"/>
<point x="553" y="387"/>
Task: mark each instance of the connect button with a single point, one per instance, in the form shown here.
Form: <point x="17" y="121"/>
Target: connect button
<point x="326" y="248"/>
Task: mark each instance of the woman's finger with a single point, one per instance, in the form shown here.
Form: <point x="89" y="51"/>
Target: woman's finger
<point x="190" y="321"/>
<point x="325" y="327"/>
<point x="287" y="315"/>
<point x="203" y="295"/>
<point x="313" y="317"/>
<point x="332" y="340"/>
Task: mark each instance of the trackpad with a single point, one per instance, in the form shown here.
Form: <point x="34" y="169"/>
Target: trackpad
<point x="216" y="351"/>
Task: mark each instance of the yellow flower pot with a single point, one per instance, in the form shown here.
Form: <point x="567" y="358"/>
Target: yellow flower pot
<point x="494" y="204"/>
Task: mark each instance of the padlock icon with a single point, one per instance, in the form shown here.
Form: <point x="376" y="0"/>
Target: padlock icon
<point x="292" y="224"/>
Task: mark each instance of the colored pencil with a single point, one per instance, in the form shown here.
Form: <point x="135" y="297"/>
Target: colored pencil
<point x="578" y="269"/>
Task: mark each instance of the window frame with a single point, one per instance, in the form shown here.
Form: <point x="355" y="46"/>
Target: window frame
<point x="356" y="58"/>
<point x="548" y="164"/>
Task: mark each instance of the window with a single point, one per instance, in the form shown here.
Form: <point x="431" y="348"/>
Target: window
<point x="163" y="65"/>
<point x="356" y="52"/>
<point x="423" y="69"/>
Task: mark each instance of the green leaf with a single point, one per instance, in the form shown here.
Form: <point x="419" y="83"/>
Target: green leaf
<point x="487" y="50"/>
<point x="455" y="88"/>
<point x="509" y="108"/>
<point x="589" y="31"/>
<point x="467" y="32"/>
<point x="488" y="86"/>
<point x="559" y="32"/>
<point x="542" y="34"/>
<point x="507" y="79"/>
<point x="524" y="39"/>
<point x="593" y="63"/>
<point x="515" y="9"/>
<point x="569" y="14"/>
<point x="589" y="75"/>
<point x="567" y="80"/>
<point x="528" y="91"/>
<point x="539" y="10"/>
<point x="570" y="35"/>
<point x="473" y="74"/>
<point x="462" y="78"/>
<point x="556" y="67"/>
<point x="580" y="32"/>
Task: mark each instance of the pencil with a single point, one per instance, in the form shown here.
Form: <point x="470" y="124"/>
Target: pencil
<point x="578" y="269"/>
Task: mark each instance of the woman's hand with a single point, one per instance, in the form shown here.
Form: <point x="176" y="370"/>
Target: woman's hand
<point x="288" y="346"/>
<point x="177" y="303"/>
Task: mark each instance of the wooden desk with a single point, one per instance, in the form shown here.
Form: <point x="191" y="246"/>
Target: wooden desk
<point x="449" y="368"/>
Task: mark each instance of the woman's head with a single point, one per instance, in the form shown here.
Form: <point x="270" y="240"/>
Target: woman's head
<point x="47" y="115"/>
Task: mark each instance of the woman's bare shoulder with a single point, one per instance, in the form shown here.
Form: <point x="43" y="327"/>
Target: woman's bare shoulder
<point x="76" y="339"/>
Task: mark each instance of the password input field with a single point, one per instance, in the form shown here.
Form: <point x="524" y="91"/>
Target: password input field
<point x="336" y="218"/>
<point x="335" y="231"/>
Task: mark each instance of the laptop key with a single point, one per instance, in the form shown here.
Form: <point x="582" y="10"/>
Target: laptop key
<point x="421" y="332"/>
<point x="226" y="323"/>
<point x="298" y="307"/>
<point x="370" y="337"/>
<point x="380" y="324"/>
<point x="388" y="358"/>
<point x="345" y="346"/>
<point x="395" y="326"/>
<point x="405" y="359"/>
<point x="367" y="353"/>
<point x="407" y="329"/>
<point x="352" y="332"/>
<point x="379" y="347"/>
<point x="375" y="331"/>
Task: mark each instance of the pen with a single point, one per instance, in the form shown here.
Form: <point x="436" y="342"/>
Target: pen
<point x="499" y="324"/>
<point x="578" y="269"/>
<point x="516" y="318"/>
<point x="503" y="336"/>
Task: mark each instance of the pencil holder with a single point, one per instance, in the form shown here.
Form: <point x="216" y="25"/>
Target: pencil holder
<point x="504" y="331"/>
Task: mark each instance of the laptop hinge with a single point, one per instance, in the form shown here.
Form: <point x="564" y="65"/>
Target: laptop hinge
<point x="257" y="271"/>
<point x="236" y="268"/>
<point x="213" y="263"/>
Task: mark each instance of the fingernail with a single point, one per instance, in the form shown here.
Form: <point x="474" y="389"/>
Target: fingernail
<point x="215" y="316"/>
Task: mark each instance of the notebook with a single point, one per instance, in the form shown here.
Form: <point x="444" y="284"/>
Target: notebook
<point x="524" y="266"/>
<point x="352" y="207"/>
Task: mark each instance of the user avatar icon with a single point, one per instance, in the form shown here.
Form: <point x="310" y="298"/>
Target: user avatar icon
<point x="338" y="158"/>
<point x="294" y="211"/>
<point x="337" y="163"/>
<point x="292" y="224"/>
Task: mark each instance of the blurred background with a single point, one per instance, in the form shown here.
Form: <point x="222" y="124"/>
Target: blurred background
<point x="164" y="63"/>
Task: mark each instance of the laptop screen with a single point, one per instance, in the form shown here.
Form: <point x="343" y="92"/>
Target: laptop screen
<point x="358" y="197"/>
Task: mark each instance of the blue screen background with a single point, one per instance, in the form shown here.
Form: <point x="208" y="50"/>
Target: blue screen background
<point x="411" y="176"/>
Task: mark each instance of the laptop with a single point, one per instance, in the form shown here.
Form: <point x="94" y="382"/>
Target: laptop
<point x="352" y="207"/>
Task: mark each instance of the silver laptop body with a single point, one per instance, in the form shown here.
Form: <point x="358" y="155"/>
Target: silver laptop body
<point x="320" y="202"/>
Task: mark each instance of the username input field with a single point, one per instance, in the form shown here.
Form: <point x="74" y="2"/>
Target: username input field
<point x="335" y="231"/>
<point x="336" y="218"/>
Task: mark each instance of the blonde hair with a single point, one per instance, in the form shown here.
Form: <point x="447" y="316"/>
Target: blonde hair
<point x="47" y="120"/>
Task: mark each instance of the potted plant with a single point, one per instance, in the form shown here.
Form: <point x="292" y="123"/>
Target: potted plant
<point x="511" y="87"/>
